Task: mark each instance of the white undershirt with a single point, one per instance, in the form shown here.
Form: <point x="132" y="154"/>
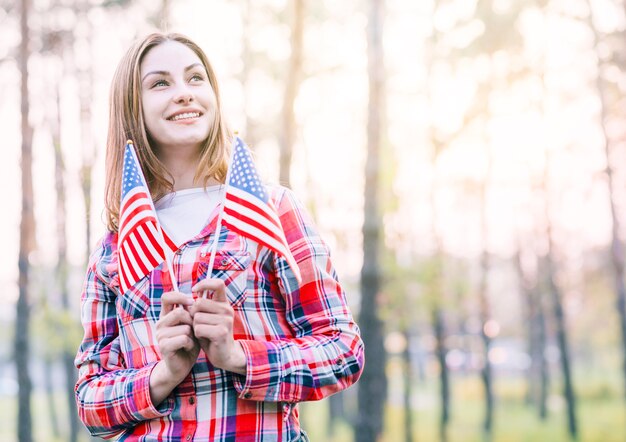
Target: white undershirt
<point x="184" y="214"/>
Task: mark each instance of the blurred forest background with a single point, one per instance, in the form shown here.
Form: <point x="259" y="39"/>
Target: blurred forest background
<point x="464" y="159"/>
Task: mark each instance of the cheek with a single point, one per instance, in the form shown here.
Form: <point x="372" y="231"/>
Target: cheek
<point x="151" y="115"/>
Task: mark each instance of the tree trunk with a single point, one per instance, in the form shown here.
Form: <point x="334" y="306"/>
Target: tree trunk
<point x="484" y="308"/>
<point x="562" y="340"/>
<point x="249" y="128"/>
<point x="164" y="16"/>
<point x="408" y="388"/>
<point x="85" y="83"/>
<point x="444" y="378"/>
<point x="62" y="276"/>
<point x="486" y="371"/>
<point x="617" y="250"/>
<point x="372" y="388"/>
<point x="293" y="83"/>
<point x="537" y="390"/>
<point x="27" y="241"/>
<point x="559" y="317"/>
<point x="544" y="372"/>
<point x="336" y="411"/>
<point x="52" y="409"/>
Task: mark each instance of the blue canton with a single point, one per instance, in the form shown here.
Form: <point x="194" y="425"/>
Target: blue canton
<point x="131" y="177"/>
<point x="243" y="174"/>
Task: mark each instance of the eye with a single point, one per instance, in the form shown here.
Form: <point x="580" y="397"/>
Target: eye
<point x="196" y="77"/>
<point x="160" y="83"/>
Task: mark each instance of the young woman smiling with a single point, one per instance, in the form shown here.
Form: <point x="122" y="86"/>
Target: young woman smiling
<point x="159" y="364"/>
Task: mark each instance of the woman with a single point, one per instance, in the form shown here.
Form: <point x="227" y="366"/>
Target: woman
<point x="159" y="364"/>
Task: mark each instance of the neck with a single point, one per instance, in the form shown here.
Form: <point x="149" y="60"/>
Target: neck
<point x="182" y="165"/>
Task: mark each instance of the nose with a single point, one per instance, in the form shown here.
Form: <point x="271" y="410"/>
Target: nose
<point x="183" y="95"/>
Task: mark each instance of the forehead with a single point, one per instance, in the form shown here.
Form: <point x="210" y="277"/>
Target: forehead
<point x="169" y="56"/>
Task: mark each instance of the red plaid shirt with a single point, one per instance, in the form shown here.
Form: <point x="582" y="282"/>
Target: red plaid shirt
<point x="301" y="342"/>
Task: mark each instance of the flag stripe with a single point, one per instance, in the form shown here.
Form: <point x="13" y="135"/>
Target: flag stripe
<point x="150" y="243"/>
<point x="137" y="266"/>
<point x="243" y="228"/>
<point x="135" y="198"/>
<point x="143" y="251"/>
<point x="252" y="220"/>
<point x="140" y="214"/>
<point x="238" y="197"/>
<point x="129" y="266"/>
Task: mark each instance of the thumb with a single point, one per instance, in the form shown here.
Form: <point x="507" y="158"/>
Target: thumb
<point x="219" y="294"/>
<point x="212" y="285"/>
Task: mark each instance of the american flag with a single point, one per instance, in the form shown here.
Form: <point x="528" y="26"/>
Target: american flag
<point x="140" y="248"/>
<point x="248" y="210"/>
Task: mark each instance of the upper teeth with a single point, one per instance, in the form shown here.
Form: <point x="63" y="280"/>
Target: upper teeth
<point x="185" y="115"/>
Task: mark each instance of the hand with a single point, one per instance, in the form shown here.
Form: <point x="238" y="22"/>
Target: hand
<point x="213" y="327"/>
<point x="177" y="344"/>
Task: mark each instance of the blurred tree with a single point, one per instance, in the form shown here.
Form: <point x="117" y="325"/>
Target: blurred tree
<point x="81" y="54"/>
<point x="556" y="300"/>
<point x="247" y="60"/>
<point x="294" y="74"/>
<point x="500" y="35"/>
<point x="372" y="388"/>
<point x="164" y="16"/>
<point x="62" y="271"/>
<point x="27" y="242"/>
<point x="618" y="57"/>
<point x="483" y="300"/>
<point x="538" y="375"/>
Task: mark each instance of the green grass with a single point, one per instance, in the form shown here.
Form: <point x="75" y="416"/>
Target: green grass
<point x="601" y="415"/>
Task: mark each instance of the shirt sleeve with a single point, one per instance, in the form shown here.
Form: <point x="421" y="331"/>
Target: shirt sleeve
<point x="326" y="354"/>
<point x="110" y="397"/>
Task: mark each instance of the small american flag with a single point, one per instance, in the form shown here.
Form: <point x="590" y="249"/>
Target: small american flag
<point x="248" y="210"/>
<point x="139" y="240"/>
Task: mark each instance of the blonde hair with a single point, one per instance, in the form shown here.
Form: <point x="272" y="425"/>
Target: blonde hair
<point x="126" y="122"/>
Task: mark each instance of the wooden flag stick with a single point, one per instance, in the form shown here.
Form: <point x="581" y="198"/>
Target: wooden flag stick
<point x="218" y="227"/>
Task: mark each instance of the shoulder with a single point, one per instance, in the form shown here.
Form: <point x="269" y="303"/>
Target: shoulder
<point x="284" y="199"/>
<point x="297" y="223"/>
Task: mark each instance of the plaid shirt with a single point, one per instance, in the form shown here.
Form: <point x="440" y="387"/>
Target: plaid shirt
<point x="301" y="342"/>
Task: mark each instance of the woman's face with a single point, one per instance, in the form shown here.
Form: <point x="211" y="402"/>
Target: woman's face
<point x="178" y="101"/>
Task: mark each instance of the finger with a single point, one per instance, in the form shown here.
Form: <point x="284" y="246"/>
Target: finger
<point x="203" y="318"/>
<point x="177" y="330"/>
<point x="177" y="316"/>
<point x="211" y="332"/>
<point x="175" y="343"/>
<point x="169" y="300"/>
<point x="214" y="285"/>
<point x="210" y="306"/>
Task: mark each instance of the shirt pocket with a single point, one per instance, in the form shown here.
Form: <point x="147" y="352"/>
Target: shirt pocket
<point x="231" y="267"/>
<point x="136" y="301"/>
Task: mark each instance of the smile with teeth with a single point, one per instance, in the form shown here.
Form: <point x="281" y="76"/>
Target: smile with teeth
<point x="184" y="116"/>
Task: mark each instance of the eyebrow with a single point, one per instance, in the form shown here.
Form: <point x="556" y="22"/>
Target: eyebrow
<point x="188" y="68"/>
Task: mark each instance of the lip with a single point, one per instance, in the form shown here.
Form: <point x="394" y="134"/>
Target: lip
<point x="184" y="111"/>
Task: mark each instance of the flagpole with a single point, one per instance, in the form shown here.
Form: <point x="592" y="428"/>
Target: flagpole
<point x="168" y="262"/>
<point x="218" y="227"/>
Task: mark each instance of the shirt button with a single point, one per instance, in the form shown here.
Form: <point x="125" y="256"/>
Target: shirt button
<point x="339" y="361"/>
<point x="178" y="252"/>
<point x="192" y="400"/>
<point x="248" y="395"/>
<point x="188" y="437"/>
<point x="224" y="261"/>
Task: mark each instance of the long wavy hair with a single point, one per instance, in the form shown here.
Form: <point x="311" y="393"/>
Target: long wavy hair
<point x="126" y="122"/>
